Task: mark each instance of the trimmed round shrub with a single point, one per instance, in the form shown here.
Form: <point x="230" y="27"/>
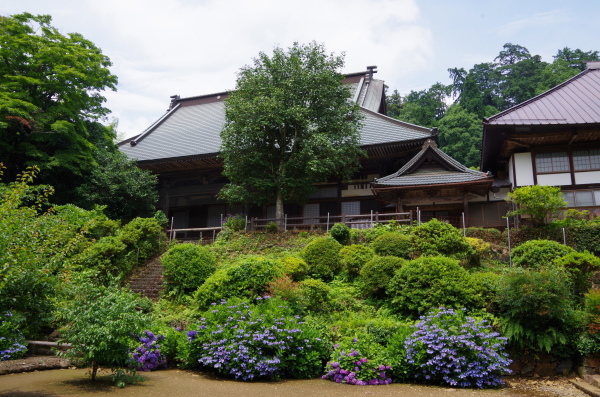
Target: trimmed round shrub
<point x="580" y="267"/>
<point x="249" y="277"/>
<point x="536" y="308"/>
<point x="378" y="272"/>
<point x="353" y="257"/>
<point x="432" y="281"/>
<point x="481" y="250"/>
<point x="315" y="294"/>
<point x="322" y="257"/>
<point x="392" y="244"/>
<point x="439" y="238"/>
<point x="340" y="232"/>
<point x="295" y="267"/>
<point x="187" y="266"/>
<point x="535" y="254"/>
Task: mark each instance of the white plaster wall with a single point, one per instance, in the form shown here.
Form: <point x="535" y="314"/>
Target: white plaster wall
<point x="510" y="171"/>
<point x="554" y="179"/>
<point x="587" y="177"/>
<point x="524" y="169"/>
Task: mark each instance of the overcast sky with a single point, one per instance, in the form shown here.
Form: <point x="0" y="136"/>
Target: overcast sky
<point x="193" y="47"/>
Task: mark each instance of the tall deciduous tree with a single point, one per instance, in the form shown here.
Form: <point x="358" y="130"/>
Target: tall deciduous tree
<point x="460" y="135"/>
<point x="290" y="123"/>
<point x="50" y="98"/>
<point x="425" y="107"/>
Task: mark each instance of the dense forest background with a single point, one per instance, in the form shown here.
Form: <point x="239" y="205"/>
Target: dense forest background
<point x="457" y="109"/>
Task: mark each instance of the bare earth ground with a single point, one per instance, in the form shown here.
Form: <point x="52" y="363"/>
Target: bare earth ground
<point x="174" y="382"/>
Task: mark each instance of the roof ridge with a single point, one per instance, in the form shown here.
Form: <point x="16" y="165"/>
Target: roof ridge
<point x="535" y="98"/>
<point x="419" y="128"/>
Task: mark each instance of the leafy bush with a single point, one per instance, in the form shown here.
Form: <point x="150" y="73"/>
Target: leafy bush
<point x="187" y="266"/>
<point x="580" y="267"/>
<point x="358" y="361"/>
<point x="392" y="244"/>
<point x="481" y="250"/>
<point x="439" y="238"/>
<point x="295" y="267"/>
<point x="12" y="342"/>
<point x="353" y="257"/>
<point x="315" y="295"/>
<point x="535" y="254"/>
<point x="147" y="356"/>
<point x="395" y="353"/>
<point x="271" y="227"/>
<point x="538" y="202"/>
<point x="247" y="278"/>
<point x="256" y="341"/>
<point x="428" y="282"/>
<point x="322" y="257"/>
<point x="378" y="272"/>
<point x="340" y="232"/>
<point x="535" y="308"/>
<point x="451" y="348"/>
<point x="490" y="235"/>
<point x="586" y="237"/>
<point x="589" y="341"/>
<point x="235" y="223"/>
<point x="369" y="235"/>
<point x="99" y="323"/>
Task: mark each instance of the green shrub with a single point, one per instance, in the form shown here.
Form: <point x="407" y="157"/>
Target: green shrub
<point x="586" y="237"/>
<point x="589" y="341"/>
<point x="353" y="257"/>
<point x="392" y="244"/>
<point x="315" y="295"/>
<point x="487" y="284"/>
<point x="369" y="235"/>
<point x="340" y="232"/>
<point x="580" y="267"/>
<point x="322" y="257"/>
<point x="489" y="235"/>
<point x="187" y="266"/>
<point x="235" y="223"/>
<point x="535" y="308"/>
<point x="271" y="227"/>
<point x="535" y="254"/>
<point x="395" y="353"/>
<point x="295" y="267"/>
<point x="103" y="256"/>
<point x="377" y="273"/>
<point x="429" y="282"/>
<point x="249" y="278"/>
<point x="344" y="297"/>
<point x="12" y="341"/>
<point x="439" y="238"/>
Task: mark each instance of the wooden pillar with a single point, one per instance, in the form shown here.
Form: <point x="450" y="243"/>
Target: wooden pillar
<point x="466" y="209"/>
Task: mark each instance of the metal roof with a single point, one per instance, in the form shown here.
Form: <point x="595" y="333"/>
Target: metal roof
<point x="576" y="101"/>
<point x="192" y="126"/>
<point x="449" y="170"/>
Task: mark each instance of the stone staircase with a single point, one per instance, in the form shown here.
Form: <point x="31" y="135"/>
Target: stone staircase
<point x="148" y="280"/>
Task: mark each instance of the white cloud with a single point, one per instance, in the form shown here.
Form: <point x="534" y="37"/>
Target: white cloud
<point x="548" y="18"/>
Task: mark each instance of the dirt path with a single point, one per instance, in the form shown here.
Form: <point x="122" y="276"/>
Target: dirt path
<point x="75" y="382"/>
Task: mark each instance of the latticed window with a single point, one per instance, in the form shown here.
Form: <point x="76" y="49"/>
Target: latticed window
<point x="586" y="159"/>
<point x="552" y="162"/>
<point x="582" y="198"/>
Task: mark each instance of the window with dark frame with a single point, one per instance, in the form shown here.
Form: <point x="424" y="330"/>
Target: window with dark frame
<point x="552" y="162"/>
<point x="584" y="160"/>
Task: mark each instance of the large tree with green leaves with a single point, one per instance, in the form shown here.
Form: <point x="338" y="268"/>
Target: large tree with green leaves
<point x="290" y="123"/>
<point x="460" y="135"/>
<point x="50" y="99"/>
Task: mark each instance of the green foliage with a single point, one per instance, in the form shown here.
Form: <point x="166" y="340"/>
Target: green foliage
<point x="322" y="257"/>
<point x="315" y="295"/>
<point x="353" y="257"/>
<point x="187" y="266"/>
<point x="538" y="202"/>
<point x="235" y="223"/>
<point x="377" y="273"/>
<point x="50" y="98"/>
<point x="367" y="236"/>
<point x="118" y="183"/>
<point x="289" y="124"/>
<point x="12" y="341"/>
<point x="535" y="308"/>
<point x="392" y="244"/>
<point x="248" y="277"/>
<point x="340" y="232"/>
<point x="490" y="235"/>
<point x="295" y="267"/>
<point x="425" y="107"/>
<point x="535" y="254"/>
<point x="428" y="282"/>
<point x="460" y="135"/>
<point x="271" y="227"/>
<point x="395" y="353"/>
<point x="580" y="266"/>
<point x="589" y="341"/>
<point x="99" y="323"/>
<point x="586" y="237"/>
<point x="439" y="238"/>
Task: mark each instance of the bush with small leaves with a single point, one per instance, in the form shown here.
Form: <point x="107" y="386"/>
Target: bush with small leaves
<point x="295" y="267"/>
<point x="432" y="281"/>
<point x="12" y="342"/>
<point x="340" y="232"/>
<point x="439" y="238"/>
<point x="580" y="267"/>
<point x="187" y="266"/>
<point x="315" y="295"/>
<point x="353" y="257"/>
<point x="376" y="274"/>
<point x="535" y="254"/>
<point x="392" y="244"/>
<point x="322" y="257"/>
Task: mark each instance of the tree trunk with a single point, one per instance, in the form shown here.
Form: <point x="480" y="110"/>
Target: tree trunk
<point x="94" y="370"/>
<point x="279" y="211"/>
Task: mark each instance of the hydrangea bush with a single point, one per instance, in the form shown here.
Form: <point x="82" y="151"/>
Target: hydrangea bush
<point x="449" y="347"/>
<point x="12" y="342"/>
<point x="148" y="356"/>
<point x="350" y="363"/>
<point x="256" y="341"/>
